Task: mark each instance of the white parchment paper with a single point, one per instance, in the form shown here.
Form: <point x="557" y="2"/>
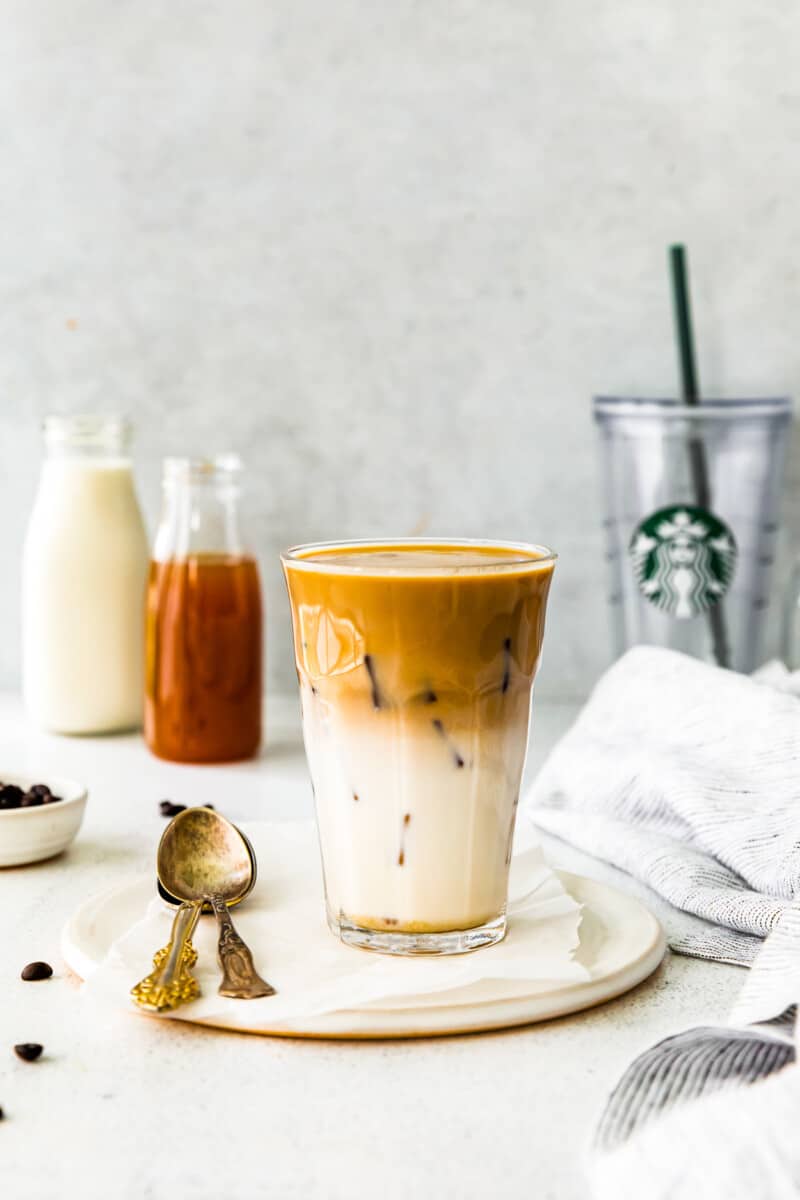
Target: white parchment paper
<point x="283" y="922"/>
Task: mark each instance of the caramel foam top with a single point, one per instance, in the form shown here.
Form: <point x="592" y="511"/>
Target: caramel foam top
<point x="414" y="557"/>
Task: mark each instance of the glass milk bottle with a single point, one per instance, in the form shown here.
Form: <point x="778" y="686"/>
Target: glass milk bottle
<point x="83" y="581"/>
<point x="203" y="627"/>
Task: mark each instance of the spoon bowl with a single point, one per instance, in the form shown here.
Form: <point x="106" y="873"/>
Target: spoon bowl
<point x="202" y="854"/>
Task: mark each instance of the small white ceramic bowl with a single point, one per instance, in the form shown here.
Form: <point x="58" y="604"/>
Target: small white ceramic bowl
<point x="28" y="835"/>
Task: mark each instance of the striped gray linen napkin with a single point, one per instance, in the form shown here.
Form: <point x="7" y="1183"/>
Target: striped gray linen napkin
<point x="687" y="778"/>
<point x="680" y="1126"/>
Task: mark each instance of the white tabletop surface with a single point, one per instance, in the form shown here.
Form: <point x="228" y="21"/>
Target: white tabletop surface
<point x="129" y="1108"/>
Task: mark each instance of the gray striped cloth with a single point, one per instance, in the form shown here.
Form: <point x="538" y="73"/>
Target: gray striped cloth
<point x="687" y="779"/>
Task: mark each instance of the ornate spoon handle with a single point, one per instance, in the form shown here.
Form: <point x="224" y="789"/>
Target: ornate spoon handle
<point x="240" y="979"/>
<point x="171" y="982"/>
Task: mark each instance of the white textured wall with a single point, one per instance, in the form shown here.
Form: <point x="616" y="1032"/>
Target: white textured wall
<point x="387" y="250"/>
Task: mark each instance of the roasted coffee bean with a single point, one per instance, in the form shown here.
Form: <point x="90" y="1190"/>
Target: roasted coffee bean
<point x="28" y="1051"/>
<point x="168" y="809"/>
<point x="11" y="796"/>
<point x="2" y="1114"/>
<point x="37" y="970"/>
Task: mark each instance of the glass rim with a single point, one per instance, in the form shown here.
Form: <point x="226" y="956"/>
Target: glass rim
<point x="529" y="553"/>
<point x="198" y="469"/>
<point x="672" y="407"/>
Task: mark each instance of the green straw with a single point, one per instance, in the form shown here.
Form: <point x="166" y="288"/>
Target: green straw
<point x="683" y="324"/>
<point x="690" y="394"/>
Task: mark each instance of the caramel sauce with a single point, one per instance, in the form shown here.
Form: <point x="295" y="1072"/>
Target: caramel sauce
<point x="203" y="659"/>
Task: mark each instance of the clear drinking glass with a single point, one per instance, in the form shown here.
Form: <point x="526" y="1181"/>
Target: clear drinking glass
<point x="203" y="620"/>
<point x="416" y="661"/>
<point x="691" y="516"/>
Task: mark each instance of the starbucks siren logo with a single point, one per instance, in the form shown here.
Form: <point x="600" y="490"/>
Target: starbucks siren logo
<point x="684" y="558"/>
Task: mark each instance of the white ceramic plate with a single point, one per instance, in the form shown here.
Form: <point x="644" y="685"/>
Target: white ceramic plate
<point x="621" y="943"/>
<point x="28" y="835"/>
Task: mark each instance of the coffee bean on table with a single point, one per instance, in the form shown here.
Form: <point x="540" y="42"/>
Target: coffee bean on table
<point x="37" y="970"/>
<point x="168" y="809"/>
<point x="28" y="1051"/>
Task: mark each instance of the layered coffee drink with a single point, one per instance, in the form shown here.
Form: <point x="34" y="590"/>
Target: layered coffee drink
<point x="416" y="661"/>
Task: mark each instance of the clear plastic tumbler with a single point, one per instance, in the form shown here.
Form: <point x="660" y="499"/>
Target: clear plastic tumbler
<point x="691" y="516"/>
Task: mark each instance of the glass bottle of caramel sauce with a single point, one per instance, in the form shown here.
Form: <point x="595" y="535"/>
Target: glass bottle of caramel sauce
<point x="203" y="629"/>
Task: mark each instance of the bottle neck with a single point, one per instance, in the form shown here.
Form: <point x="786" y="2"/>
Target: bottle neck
<point x="200" y="510"/>
<point x="87" y="436"/>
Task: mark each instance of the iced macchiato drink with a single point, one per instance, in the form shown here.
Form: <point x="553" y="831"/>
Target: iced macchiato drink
<point x="416" y="661"/>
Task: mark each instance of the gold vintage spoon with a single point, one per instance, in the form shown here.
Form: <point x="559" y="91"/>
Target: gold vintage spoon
<point x="219" y="884"/>
<point x="203" y="861"/>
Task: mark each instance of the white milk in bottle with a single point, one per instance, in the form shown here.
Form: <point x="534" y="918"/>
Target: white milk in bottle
<point x="83" y="582"/>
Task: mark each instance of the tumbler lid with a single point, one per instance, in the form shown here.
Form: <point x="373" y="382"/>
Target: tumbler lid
<point x="672" y="407"/>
